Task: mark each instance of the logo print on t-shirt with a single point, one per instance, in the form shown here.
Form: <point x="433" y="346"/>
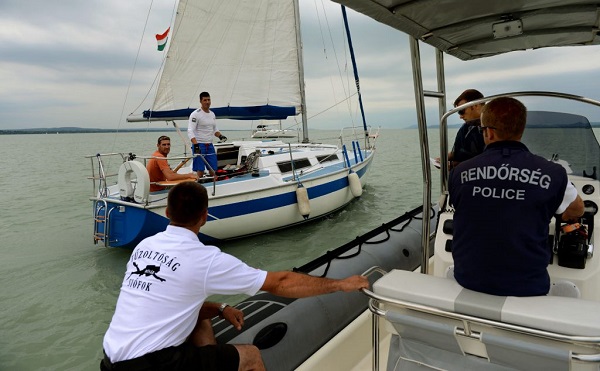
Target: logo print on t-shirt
<point x="150" y="270"/>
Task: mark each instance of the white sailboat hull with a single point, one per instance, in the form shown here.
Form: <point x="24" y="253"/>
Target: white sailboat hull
<point x="247" y="202"/>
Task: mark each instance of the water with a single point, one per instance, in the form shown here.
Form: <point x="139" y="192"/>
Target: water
<point x="59" y="289"/>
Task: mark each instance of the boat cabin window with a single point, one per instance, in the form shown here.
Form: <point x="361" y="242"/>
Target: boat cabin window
<point x="286" y="166"/>
<point x="227" y="155"/>
<point x="332" y="157"/>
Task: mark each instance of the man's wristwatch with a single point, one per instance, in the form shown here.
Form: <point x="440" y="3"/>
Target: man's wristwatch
<point x="222" y="308"/>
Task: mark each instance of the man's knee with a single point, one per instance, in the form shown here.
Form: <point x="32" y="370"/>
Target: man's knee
<point x="250" y="358"/>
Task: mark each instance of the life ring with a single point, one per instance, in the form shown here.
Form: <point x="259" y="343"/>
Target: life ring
<point x="127" y="189"/>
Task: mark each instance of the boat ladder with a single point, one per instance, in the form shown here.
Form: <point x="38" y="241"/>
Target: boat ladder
<point x="102" y="222"/>
<point x="101" y="213"/>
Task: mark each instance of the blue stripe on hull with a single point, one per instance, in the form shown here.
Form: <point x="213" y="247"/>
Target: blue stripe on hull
<point x="274" y="202"/>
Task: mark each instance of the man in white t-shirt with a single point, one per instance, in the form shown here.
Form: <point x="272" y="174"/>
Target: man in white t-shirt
<point x="202" y="125"/>
<point x="161" y="317"/>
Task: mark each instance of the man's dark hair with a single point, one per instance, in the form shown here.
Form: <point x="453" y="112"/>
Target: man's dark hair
<point x="163" y="137"/>
<point x="204" y="94"/>
<point x="468" y="95"/>
<point x="186" y="203"/>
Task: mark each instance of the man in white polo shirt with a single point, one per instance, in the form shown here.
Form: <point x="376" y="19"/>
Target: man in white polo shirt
<point x="202" y="126"/>
<point x="161" y="314"/>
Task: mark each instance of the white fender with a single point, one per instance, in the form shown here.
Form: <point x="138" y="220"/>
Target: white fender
<point x="139" y="192"/>
<point x="303" y="201"/>
<point x="355" y="186"/>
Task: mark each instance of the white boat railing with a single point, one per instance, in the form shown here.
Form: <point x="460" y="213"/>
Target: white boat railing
<point x="102" y="176"/>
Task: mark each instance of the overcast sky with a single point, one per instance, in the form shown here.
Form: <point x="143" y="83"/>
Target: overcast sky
<point x="71" y="63"/>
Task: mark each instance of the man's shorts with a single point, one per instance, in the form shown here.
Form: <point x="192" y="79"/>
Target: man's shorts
<point x="221" y="357"/>
<point x="208" y="151"/>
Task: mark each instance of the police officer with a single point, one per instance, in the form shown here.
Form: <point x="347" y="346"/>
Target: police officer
<point x="504" y="201"/>
<point x="469" y="141"/>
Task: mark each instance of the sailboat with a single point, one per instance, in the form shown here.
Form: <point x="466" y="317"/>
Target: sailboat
<point x="248" y="56"/>
<point x="416" y="316"/>
<point x="272" y="130"/>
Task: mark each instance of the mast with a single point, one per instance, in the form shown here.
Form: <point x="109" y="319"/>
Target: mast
<point x="301" y="74"/>
<point x="355" y="70"/>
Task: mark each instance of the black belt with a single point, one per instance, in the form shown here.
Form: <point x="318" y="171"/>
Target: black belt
<point x="145" y="362"/>
<point x="139" y="363"/>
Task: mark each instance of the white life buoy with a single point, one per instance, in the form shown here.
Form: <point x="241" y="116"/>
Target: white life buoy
<point x="303" y="201"/>
<point x="355" y="186"/>
<point x="140" y="191"/>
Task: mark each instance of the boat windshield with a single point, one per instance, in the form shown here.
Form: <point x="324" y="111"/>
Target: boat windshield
<point x="564" y="136"/>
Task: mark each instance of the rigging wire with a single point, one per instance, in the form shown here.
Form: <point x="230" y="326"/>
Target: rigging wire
<point x="337" y="61"/>
<point x="320" y="29"/>
<point x="134" y="67"/>
<point x="137" y="57"/>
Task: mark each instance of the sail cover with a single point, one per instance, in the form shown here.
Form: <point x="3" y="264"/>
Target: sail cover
<point x="243" y="52"/>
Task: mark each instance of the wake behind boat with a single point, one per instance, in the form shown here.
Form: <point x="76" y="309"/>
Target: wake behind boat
<point x="248" y="56"/>
<point x="422" y="318"/>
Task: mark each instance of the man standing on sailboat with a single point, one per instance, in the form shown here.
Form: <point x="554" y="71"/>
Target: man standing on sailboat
<point x="202" y="125"/>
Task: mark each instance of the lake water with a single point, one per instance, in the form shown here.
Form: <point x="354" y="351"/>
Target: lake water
<point x="59" y="289"/>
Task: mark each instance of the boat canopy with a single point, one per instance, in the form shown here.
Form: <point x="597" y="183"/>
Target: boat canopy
<point x="471" y="29"/>
<point x="266" y="112"/>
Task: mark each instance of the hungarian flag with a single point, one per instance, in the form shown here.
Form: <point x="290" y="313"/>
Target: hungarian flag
<point x="162" y="39"/>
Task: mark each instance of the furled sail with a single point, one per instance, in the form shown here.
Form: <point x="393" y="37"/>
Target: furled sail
<point x="243" y="52"/>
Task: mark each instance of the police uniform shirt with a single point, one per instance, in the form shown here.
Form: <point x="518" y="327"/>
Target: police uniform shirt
<point x="504" y="200"/>
<point x="468" y="142"/>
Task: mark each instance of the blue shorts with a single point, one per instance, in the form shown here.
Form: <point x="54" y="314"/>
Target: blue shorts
<point x="208" y="151"/>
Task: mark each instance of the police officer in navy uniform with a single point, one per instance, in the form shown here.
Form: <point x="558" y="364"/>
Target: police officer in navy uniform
<point x="504" y="200"/>
<point x="468" y="142"/>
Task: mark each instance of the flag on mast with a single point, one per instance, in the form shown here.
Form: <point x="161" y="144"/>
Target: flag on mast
<point x="162" y="39"/>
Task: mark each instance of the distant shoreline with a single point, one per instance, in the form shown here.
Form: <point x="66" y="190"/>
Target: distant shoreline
<point x="77" y="130"/>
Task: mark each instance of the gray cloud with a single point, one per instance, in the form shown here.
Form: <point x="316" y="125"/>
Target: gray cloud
<point x="70" y="62"/>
